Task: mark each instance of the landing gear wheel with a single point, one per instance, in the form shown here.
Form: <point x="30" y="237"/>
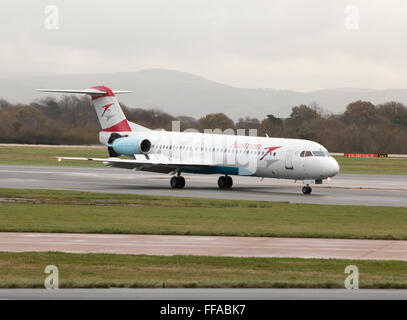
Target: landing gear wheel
<point x="177" y="182"/>
<point x="225" y="182"/>
<point x="229" y="182"/>
<point x="222" y="182"/>
<point x="173" y="182"/>
<point x="306" y="190"/>
<point x="181" y="182"/>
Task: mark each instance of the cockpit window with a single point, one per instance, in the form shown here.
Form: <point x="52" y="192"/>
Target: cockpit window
<point x="306" y="154"/>
<point x="318" y="153"/>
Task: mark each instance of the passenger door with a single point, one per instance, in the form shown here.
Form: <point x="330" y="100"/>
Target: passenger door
<point x="289" y="160"/>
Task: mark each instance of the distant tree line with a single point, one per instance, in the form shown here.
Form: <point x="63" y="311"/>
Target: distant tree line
<point x="363" y="127"/>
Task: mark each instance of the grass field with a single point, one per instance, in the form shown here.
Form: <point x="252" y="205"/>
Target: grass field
<point x="25" y="270"/>
<point x="372" y="165"/>
<point x="70" y="211"/>
<point x="46" y="156"/>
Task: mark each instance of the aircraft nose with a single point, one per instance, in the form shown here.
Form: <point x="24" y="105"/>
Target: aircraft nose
<point x="331" y="167"/>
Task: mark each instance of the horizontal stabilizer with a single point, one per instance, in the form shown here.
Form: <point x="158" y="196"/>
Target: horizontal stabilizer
<point x="92" y="92"/>
<point x="107" y="107"/>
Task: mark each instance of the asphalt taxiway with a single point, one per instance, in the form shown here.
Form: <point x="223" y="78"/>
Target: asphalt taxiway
<point x="205" y="245"/>
<point x="202" y="294"/>
<point x="344" y="189"/>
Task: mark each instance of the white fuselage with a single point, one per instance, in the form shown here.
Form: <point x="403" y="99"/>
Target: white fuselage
<point x="240" y="155"/>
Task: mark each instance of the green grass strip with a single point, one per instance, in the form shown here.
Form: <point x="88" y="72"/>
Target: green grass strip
<point x="83" y="212"/>
<point x="26" y="270"/>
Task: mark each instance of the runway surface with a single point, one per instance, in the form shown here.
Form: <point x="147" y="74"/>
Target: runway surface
<point x="373" y="190"/>
<point x="205" y="245"/>
<point x="203" y="294"/>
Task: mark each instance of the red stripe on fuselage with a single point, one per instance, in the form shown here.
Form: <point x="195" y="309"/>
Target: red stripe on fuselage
<point x="268" y="151"/>
<point x="122" y="126"/>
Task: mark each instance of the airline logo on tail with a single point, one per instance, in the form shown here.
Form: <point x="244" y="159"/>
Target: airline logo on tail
<point x="105" y="108"/>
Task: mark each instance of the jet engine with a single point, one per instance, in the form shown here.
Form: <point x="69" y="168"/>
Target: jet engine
<point x="124" y="145"/>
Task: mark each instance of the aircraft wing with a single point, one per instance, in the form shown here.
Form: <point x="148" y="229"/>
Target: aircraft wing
<point x="160" y="165"/>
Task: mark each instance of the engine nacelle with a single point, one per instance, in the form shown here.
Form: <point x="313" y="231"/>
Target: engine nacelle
<point x="130" y="145"/>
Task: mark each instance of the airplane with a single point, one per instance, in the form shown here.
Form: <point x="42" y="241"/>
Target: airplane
<point x="201" y="153"/>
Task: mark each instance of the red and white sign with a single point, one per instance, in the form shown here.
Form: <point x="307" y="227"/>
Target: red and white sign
<point x="361" y="155"/>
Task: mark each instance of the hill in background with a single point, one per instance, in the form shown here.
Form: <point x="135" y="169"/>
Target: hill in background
<point x="181" y="93"/>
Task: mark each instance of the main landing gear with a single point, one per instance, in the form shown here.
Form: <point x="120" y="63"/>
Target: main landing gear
<point x="307" y="190"/>
<point x="177" y="182"/>
<point x="225" y="182"/>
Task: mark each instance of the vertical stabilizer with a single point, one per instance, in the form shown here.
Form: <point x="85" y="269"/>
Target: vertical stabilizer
<point x="107" y="107"/>
<point x="109" y="112"/>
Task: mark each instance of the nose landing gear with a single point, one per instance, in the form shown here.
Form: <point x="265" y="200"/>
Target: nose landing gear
<point x="225" y="182"/>
<point x="307" y="190"/>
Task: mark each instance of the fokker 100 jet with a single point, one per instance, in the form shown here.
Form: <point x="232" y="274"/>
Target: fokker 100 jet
<point x="201" y="153"/>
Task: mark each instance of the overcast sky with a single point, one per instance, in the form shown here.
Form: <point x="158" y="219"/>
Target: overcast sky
<point x="288" y="44"/>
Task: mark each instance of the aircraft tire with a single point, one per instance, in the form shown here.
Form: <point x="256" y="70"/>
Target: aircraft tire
<point x="222" y="182"/>
<point x="177" y="182"/>
<point x="225" y="182"/>
<point x="306" y="190"/>
<point x="173" y="182"/>
<point x="229" y="182"/>
<point x="181" y="182"/>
